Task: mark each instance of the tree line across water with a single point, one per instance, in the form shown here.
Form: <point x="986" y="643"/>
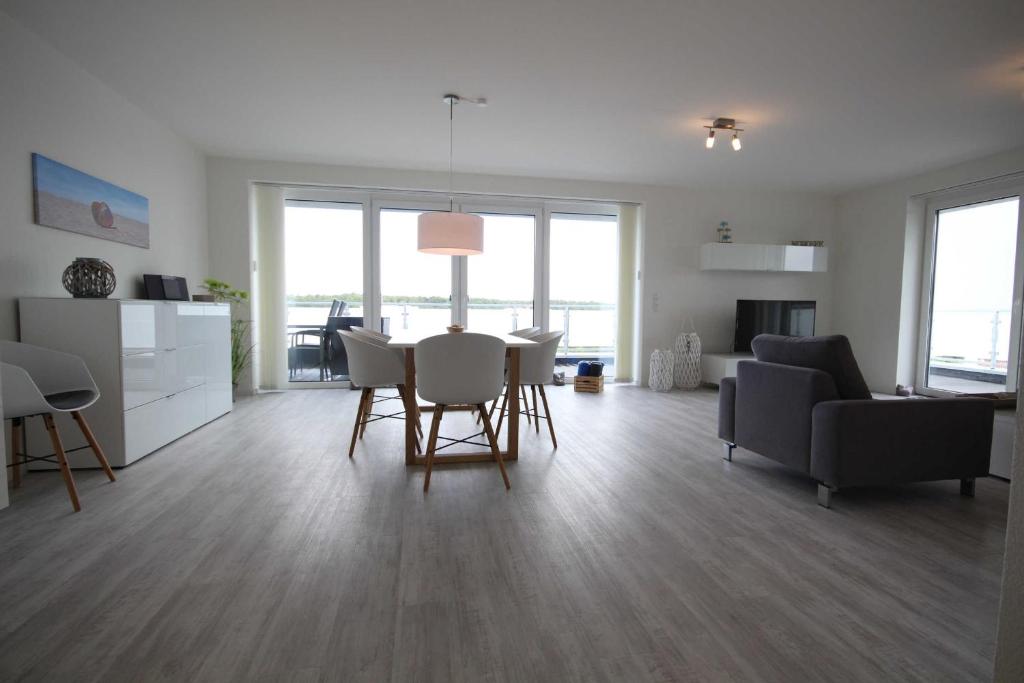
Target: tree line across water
<point x="353" y="298"/>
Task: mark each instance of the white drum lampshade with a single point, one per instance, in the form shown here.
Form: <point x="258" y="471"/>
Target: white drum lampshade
<point x="454" y="234"/>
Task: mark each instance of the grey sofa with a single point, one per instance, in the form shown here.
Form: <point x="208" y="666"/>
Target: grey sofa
<point x="804" y="403"/>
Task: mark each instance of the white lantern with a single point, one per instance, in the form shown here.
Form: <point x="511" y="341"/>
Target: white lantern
<point x="661" y="370"/>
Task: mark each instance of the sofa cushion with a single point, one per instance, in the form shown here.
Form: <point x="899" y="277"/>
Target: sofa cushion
<point x="831" y="354"/>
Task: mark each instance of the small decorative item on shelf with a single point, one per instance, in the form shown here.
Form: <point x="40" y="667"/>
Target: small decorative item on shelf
<point x="89" y="278"/>
<point x="724" y="233"/>
<point x="661" y="370"/>
<point x="456" y="328"/>
<point x="686" y="372"/>
<point x="807" y="243"/>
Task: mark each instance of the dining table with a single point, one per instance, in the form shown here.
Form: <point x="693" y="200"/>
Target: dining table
<point x="406" y="340"/>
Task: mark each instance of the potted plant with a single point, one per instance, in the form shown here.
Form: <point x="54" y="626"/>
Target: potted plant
<point x="241" y="350"/>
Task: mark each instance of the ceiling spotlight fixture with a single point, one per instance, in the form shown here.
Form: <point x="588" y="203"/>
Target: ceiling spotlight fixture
<point x="448" y="232"/>
<point x="726" y="125"/>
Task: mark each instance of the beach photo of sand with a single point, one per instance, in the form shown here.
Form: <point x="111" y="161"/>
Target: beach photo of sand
<point x="69" y="199"/>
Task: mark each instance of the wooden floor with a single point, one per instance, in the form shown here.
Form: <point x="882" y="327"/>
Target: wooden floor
<point x="253" y="549"/>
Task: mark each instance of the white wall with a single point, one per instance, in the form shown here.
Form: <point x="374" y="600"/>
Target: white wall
<point x="51" y="106"/>
<point x="878" y="257"/>
<point x="675" y="222"/>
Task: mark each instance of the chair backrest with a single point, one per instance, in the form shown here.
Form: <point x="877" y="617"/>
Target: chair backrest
<point x="371" y="363"/>
<point x="537" y="362"/>
<point x="380" y="336"/>
<point x="337" y="308"/>
<point x="830" y="353"/>
<point x="51" y="371"/>
<point x="526" y="332"/>
<point x="463" y="368"/>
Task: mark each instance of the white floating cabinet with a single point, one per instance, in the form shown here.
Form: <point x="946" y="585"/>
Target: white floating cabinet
<point x="163" y="369"/>
<point x="783" y="258"/>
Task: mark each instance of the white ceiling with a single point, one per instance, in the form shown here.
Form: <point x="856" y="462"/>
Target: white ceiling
<point x="834" y="93"/>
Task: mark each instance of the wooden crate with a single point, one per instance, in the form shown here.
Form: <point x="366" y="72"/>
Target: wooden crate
<point x="591" y="385"/>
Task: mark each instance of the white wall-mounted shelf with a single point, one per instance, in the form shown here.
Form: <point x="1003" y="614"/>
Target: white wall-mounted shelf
<point x="783" y="258"/>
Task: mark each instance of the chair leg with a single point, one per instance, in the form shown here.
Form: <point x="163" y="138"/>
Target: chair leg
<point x="93" y="444"/>
<point x="547" y="415"/>
<point x="62" y="461"/>
<point x="501" y="413"/>
<point x="825" y="495"/>
<point x="967" y="487"/>
<point x="526" y="404"/>
<point x="435" y="424"/>
<point x="494" y="404"/>
<point x="16" y="427"/>
<point x="401" y="395"/>
<point x="536" y="421"/>
<point x="494" y="447"/>
<point x="728" y="450"/>
<point x="367" y="411"/>
<point x="359" y="421"/>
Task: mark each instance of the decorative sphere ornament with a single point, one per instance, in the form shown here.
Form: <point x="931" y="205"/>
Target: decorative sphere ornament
<point x="89" y="278"/>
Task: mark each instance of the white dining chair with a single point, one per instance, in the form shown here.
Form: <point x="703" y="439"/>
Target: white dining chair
<point x="537" y="368"/>
<point x="526" y="332"/>
<point x="38" y="382"/>
<point x="372" y="365"/>
<point x="367" y="332"/>
<point x="460" y="369"/>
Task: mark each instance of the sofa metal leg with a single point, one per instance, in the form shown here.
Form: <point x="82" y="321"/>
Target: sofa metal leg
<point x="728" y="450"/>
<point x="825" y="495"/>
<point x="967" y="487"/>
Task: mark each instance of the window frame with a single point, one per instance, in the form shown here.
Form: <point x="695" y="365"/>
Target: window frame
<point x="951" y="199"/>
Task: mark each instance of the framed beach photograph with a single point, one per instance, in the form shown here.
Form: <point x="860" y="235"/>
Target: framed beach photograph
<point x="68" y="199"/>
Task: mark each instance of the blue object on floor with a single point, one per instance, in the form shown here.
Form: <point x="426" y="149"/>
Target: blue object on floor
<point x="596" y="368"/>
<point x="583" y="368"/>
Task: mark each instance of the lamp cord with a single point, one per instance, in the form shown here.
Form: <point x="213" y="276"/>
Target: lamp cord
<point x="451" y="135"/>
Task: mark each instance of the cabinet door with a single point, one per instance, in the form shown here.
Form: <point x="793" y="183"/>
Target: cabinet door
<point x="218" y="360"/>
<point x="138" y="326"/>
<point x="189" y="321"/>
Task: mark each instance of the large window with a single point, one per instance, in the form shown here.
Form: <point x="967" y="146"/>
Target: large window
<point x="499" y="282"/>
<point x="972" y="328"/>
<point x="323" y="270"/>
<point x="416" y="288"/>
<point x="351" y="258"/>
<point x="584" y="286"/>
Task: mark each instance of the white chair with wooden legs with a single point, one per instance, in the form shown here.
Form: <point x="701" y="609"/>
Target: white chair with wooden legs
<point x="373" y="334"/>
<point x="372" y="365"/>
<point x="526" y="332"/>
<point x="39" y="382"/>
<point x="537" y="368"/>
<point x="463" y="369"/>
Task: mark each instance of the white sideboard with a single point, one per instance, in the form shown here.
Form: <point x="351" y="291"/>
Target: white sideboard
<point x="715" y="366"/>
<point x="163" y="369"/>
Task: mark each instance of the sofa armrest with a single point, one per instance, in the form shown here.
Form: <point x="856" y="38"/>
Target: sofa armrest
<point x="727" y="409"/>
<point x="868" y="442"/>
<point x="773" y="409"/>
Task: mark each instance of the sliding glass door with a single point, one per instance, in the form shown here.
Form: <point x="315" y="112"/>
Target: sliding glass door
<point x="972" y="321"/>
<point x="500" y="284"/>
<point x="323" y="245"/>
<point x="415" y="288"/>
<point x="352" y="259"/>
<point x="584" y="286"/>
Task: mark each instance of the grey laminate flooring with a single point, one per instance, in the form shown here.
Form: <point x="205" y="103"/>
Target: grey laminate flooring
<point x="253" y="549"/>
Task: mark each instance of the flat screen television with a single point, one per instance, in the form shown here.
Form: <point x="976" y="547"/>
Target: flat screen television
<point x="758" y="316"/>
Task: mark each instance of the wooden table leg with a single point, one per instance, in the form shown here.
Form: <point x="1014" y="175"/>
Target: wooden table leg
<point x="513" y="404"/>
<point x="410" y="406"/>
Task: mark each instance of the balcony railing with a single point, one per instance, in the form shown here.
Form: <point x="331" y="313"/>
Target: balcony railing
<point x="589" y="329"/>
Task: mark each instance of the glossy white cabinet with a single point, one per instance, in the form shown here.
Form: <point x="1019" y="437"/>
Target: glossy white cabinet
<point x="784" y="258"/>
<point x="163" y="368"/>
